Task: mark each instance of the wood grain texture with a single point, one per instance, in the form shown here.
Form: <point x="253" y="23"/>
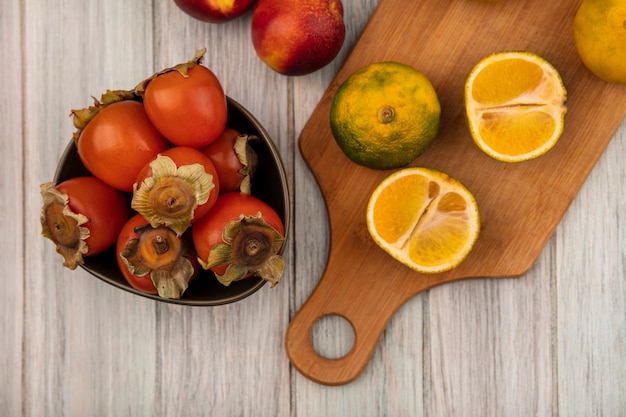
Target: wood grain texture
<point x="62" y="358"/>
<point x="465" y="356"/>
<point x="519" y="211"/>
<point x="74" y="346"/>
<point x="11" y="212"/>
<point x="591" y="293"/>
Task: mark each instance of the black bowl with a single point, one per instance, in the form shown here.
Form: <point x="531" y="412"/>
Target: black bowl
<point x="269" y="184"/>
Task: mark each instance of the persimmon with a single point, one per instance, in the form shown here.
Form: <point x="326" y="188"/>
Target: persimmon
<point x="234" y="160"/>
<point x="82" y="216"/>
<point x="176" y="189"/>
<point x="117" y="141"/>
<point x="240" y="237"/>
<point x="155" y="260"/>
<point x="186" y="103"/>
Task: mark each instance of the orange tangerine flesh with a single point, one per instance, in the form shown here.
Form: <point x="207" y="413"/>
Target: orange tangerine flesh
<point x="515" y="106"/>
<point x="423" y="218"/>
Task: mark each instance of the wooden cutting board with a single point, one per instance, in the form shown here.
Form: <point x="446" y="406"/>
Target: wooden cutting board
<point x="520" y="204"/>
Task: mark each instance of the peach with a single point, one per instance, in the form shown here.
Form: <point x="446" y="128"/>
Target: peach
<point x="297" y="37"/>
<point x="215" y="11"/>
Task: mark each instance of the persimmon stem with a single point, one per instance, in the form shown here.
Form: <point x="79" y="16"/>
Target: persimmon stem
<point x="160" y="245"/>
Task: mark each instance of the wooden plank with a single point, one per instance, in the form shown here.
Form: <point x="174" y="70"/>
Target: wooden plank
<point x="519" y="213"/>
<point x="11" y="212"/>
<point x="89" y="349"/>
<point x="227" y="360"/>
<point x="591" y="293"/>
<point x="490" y="341"/>
<point x="393" y="383"/>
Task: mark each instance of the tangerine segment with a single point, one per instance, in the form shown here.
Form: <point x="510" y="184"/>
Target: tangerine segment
<point x="424" y="219"/>
<point x="515" y="105"/>
<point x="532" y="130"/>
<point x="406" y="206"/>
<point x="504" y="81"/>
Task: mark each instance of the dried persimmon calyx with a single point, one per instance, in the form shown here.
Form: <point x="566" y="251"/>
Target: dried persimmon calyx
<point x="63" y="226"/>
<point x="162" y="254"/>
<point x="171" y="194"/>
<point x="248" y="159"/>
<point x="250" y="247"/>
<point x="82" y="117"/>
<point x="182" y="68"/>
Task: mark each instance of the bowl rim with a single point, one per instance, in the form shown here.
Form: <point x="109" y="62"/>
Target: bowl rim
<point x="273" y="150"/>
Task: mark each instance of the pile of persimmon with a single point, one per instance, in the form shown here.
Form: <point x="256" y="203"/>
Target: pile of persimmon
<point x="165" y="148"/>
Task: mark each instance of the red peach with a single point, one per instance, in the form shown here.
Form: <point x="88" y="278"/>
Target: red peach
<point x="215" y="11"/>
<point x="297" y="37"/>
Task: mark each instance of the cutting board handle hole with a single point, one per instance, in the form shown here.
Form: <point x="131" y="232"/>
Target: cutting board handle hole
<point x="332" y="336"/>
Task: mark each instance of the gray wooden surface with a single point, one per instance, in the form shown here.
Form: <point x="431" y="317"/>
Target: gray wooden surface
<point x="552" y="343"/>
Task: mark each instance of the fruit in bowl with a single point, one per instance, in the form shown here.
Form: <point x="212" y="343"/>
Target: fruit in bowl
<point x="151" y="256"/>
<point x="269" y="184"/>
